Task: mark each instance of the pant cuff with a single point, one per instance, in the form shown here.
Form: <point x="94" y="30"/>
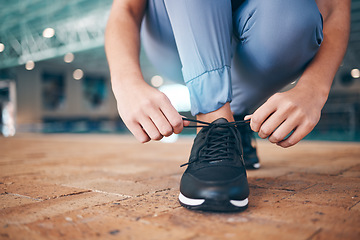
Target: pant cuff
<point x="210" y="90"/>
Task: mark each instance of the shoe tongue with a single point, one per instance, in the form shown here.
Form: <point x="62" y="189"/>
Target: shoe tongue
<point x="220" y="120"/>
<point x="217" y="129"/>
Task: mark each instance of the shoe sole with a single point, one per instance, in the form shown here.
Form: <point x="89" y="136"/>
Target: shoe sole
<point x="213" y="205"/>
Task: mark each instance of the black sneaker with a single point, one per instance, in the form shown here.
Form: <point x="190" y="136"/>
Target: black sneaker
<point x="248" y="144"/>
<point x="215" y="179"/>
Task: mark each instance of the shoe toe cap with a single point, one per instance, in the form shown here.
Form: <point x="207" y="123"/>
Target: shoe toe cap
<point x="229" y="189"/>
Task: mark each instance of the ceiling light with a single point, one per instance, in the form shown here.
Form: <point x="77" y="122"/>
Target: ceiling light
<point x="355" y="73"/>
<point x="69" y="57"/>
<point x="48" y="33"/>
<point x="30" y="65"/>
<point x="2" y="47"/>
<point x="78" y="74"/>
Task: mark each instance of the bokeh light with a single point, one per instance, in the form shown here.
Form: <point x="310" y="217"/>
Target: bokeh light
<point x="157" y="81"/>
<point x="179" y="96"/>
<point x="78" y="74"/>
<point x="355" y="73"/>
<point x="48" y="33"/>
<point x="69" y="57"/>
<point x="30" y="65"/>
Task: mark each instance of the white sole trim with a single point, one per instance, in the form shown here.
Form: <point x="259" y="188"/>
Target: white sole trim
<point x="198" y="202"/>
<point x="256" y="165"/>
<point x="190" y="201"/>
<point x="239" y="203"/>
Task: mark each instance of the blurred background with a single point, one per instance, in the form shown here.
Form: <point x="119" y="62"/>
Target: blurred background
<point x="54" y="76"/>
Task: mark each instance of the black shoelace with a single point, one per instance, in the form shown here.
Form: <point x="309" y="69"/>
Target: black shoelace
<point x="218" y="145"/>
<point x="247" y="138"/>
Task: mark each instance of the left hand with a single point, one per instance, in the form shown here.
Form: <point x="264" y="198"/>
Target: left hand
<point x="296" y="110"/>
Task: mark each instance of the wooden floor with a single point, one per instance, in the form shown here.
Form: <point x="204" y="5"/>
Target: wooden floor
<point x="110" y="187"/>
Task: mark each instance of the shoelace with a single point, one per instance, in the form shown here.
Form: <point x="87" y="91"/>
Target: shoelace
<point x="247" y="138"/>
<point x="218" y="145"/>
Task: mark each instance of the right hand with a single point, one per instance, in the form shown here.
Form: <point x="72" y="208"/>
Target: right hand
<point x="147" y="112"/>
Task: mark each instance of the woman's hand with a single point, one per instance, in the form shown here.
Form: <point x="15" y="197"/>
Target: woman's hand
<point x="147" y="112"/>
<point x="299" y="109"/>
<point x="295" y="112"/>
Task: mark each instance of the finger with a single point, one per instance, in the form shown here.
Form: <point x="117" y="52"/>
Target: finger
<point x="172" y="116"/>
<point x="161" y="123"/>
<point x="295" y="137"/>
<point x="185" y="122"/>
<point x="283" y="130"/>
<point x="247" y="117"/>
<point x="271" y="124"/>
<point x="150" y="129"/>
<point x="260" y="115"/>
<point x="138" y="132"/>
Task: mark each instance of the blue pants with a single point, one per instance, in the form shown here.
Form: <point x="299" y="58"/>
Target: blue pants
<point x="241" y="56"/>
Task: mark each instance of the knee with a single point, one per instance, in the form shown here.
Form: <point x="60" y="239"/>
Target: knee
<point x="296" y="24"/>
<point x="287" y="33"/>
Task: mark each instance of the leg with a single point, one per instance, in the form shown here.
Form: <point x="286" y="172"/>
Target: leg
<point x="159" y="43"/>
<point x="215" y="178"/>
<point x="158" y="40"/>
<point x="204" y="70"/>
<point x="275" y="40"/>
<point x="203" y="41"/>
<point x="205" y="64"/>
